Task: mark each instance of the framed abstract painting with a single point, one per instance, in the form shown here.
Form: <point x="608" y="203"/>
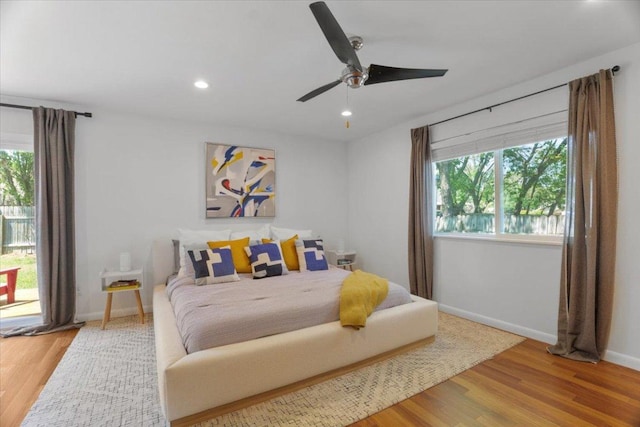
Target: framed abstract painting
<point x="240" y="182"/>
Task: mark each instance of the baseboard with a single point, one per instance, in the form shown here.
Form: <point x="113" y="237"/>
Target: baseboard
<point x="116" y="312"/>
<point x="505" y="326"/>
<point x="609" y="356"/>
<point x="622" y="359"/>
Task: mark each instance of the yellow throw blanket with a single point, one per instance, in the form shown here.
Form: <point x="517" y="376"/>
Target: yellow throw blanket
<point x="361" y="293"/>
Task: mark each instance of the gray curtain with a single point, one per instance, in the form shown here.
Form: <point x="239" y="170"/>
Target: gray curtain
<point x="54" y="139"/>
<point x="420" y="221"/>
<point x="589" y="252"/>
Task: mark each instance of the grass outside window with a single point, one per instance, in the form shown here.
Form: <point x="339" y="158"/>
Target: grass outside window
<point x="27" y="278"/>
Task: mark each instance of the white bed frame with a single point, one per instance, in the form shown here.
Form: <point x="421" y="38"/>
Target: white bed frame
<point x="197" y="382"/>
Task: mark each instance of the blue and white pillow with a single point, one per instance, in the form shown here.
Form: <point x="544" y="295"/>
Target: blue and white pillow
<point x="213" y="265"/>
<point x="311" y="255"/>
<point x="266" y="260"/>
<point x="187" y="269"/>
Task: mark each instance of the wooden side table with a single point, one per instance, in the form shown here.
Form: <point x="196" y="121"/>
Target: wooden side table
<point x="108" y="277"/>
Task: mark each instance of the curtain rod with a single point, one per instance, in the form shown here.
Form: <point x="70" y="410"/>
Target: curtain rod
<point x="26" y="107"/>
<point x="614" y="70"/>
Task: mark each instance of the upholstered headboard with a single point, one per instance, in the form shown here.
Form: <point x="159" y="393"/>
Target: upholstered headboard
<point x="162" y="260"/>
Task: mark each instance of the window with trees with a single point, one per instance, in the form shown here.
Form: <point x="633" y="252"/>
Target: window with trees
<point x="16" y="178"/>
<point x="513" y="191"/>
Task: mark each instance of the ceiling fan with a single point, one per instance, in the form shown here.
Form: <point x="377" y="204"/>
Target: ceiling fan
<point x="355" y="75"/>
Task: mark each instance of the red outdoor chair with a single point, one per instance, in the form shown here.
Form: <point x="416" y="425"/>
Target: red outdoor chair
<point x="9" y="288"/>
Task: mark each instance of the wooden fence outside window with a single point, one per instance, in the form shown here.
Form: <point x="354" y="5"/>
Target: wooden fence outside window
<point x="17" y="228"/>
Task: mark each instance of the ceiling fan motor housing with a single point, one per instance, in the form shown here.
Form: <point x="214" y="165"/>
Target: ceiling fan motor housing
<point x="354" y="78"/>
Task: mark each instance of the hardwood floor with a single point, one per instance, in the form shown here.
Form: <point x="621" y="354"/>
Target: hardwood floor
<point x="523" y="386"/>
<point x="26" y="363"/>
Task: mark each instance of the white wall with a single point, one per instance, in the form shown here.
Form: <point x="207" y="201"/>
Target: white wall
<point x="513" y="286"/>
<point x="138" y="179"/>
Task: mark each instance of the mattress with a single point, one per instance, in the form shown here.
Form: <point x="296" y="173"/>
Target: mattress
<point x="227" y="313"/>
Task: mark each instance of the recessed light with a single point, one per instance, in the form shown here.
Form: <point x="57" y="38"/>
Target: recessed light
<point x="201" y="84"/>
<point x="346" y="113"/>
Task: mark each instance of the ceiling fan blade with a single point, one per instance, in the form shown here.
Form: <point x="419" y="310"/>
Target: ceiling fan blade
<point x="334" y="35"/>
<point x="381" y="74"/>
<point x="320" y="90"/>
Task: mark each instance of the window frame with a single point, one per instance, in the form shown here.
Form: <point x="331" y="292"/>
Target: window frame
<point x="498" y="234"/>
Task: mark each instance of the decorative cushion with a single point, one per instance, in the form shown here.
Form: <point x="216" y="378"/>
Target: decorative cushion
<point x="287" y="233"/>
<point x="187" y="269"/>
<point x="191" y="237"/>
<point x="240" y="258"/>
<point x="289" y="252"/>
<point x="311" y="255"/>
<point x="213" y="266"/>
<point x="266" y="260"/>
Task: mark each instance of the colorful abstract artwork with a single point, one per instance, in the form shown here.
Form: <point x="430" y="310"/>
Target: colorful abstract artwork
<point x="240" y="182"/>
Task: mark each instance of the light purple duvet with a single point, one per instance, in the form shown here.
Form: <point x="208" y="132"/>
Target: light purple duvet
<point x="226" y="313"/>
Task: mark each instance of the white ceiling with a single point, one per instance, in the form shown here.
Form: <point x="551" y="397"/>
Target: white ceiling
<point x="260" y="56"/>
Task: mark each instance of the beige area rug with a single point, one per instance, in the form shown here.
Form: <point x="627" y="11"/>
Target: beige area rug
<point x="107" y="378"/>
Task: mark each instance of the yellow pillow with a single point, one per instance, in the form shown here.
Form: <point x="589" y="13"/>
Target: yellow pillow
<point x="240" y="258"/>
<point x="288" y="252"/>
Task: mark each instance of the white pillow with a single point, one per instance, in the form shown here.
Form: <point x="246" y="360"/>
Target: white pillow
<point x="253" y="235"/>
<point x="287" y="233"/>
<point x="198" y="237"/>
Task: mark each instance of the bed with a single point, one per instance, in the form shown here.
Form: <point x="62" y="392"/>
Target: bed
<point x="202" y="382"/>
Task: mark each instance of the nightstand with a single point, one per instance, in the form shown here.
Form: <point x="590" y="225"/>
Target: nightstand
<point x="342" y="259"/>
<point x="121" y="281"/>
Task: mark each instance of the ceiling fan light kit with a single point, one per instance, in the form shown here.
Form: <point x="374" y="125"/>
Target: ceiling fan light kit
<point x="355" y="75"/>
<point x="201" y="84"/>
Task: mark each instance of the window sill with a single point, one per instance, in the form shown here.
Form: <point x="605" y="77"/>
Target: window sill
<point x="526" y="240"/>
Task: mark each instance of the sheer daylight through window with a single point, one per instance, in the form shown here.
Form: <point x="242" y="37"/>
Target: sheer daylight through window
<point x="516" y="191"/>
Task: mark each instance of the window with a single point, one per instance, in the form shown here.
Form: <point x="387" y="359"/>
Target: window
<point x="511" y="192"/>
<point x="18" y="234"/>
<point x="465" y="201"/>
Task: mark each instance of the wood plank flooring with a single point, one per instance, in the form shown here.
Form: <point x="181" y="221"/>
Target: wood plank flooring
<point x="523" y="386"/>
<point x="26" y="363"/>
